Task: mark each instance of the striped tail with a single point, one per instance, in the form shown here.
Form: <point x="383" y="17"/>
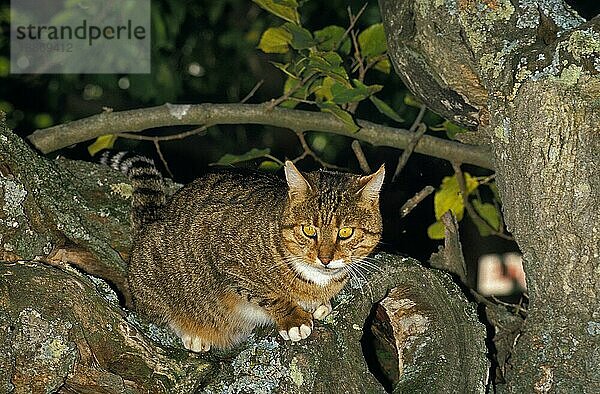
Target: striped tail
<point x="148" y="197"/>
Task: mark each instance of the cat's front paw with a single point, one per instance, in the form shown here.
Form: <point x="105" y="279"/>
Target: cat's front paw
<point x="190" y="341"/>
<point x="296" y="334"/>
<point x="296" y="326"/>
<point x="195" y="344"/>
<point x="322" y="311"/>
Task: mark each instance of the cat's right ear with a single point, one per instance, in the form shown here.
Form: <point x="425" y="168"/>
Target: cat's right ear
<point x="370" y="185"/>
<point x="297" y="184"/>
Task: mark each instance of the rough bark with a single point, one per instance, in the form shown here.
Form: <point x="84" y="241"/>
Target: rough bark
<point x="527" y="75"/>
<point x="63" y="329"/>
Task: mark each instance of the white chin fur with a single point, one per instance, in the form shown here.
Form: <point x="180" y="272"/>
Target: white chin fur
<point x="319" y="276"/>
<point x="339" y="263"/>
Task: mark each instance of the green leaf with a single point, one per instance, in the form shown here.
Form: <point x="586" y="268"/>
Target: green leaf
<point x="452" y="130"/>
<point x="269" y="165"/>
<point x="250" y="155"/>
<point x="448" y="197"/>
<point x="383" y="65"/>
<point x="412" y="101"/>
<point x="4" y="66"/>
<point x="342" y="94"/>
<point x="301" y="93"/>
<point x="328" y="39"/>
<point x="339" y="113"/>
<point x="287" y="9"/>
<point x="285" y="68"/>
<point x="43" y="120"/>
<point x="372" y="89"/>
<point x="323" y="93"/>
<point x="436" y="230"/>
<point x="103" y="142"/>
<point x="330" y="64"/>
<point x="159" y="30"/>
<point x="386" y="109"/>
<point x="301" y="38"/>
<point x="372" y="41"/>
<point x="494" y="188"/>
<point x="490" y="214"/>
<point x="275" y="40"/>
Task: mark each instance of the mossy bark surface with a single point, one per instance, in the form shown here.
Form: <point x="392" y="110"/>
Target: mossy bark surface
<point x="64" y="328"/>
<point x="526" y="76"/>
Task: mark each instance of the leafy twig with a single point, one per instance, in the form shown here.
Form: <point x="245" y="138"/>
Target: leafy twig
<point x="413" y="143"/>
<point x="518" y="308"/>
<point x="353" y="21"/>
<point x="179" y="136"/>
<point x="487" y="179"/>
<point x="357" y="57"/>
<point x="162" y="158"/>
<point x="469" y="207"/>
<point x="275" y="102"/>
<point x="254" y="89"/>
<point x="418" y="119"/>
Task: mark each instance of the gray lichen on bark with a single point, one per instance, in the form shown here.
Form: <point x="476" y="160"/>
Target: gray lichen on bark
<point x="58" y="332"/>
<point x="62" y="329"/>
<point x="531" y="70"/>
<point x="17" y="236"/>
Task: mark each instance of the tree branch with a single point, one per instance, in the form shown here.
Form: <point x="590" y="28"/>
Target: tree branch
<point x="421" y="129"/>
<point x="309" y="152"/>
<point x="57" y="137"/>
<point x="360" y="156"/>
<point x="412" y="202"/>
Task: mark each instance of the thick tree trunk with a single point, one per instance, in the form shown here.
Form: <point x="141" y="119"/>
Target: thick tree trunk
<point x="552" y="206"/>
<point x="63" y="329"/>
<point x="528" y="76"/>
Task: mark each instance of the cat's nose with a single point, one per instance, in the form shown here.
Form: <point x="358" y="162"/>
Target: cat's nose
<point x="325" y="260"/>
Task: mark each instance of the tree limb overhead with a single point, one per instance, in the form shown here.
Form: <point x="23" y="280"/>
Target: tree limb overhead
<point x="57" y="137"/>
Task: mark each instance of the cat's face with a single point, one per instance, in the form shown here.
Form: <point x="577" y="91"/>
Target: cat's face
<point x="331" y="221"/>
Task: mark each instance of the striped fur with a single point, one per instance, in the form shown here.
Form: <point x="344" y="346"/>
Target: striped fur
<point x="148" y="197"/>
<point x="229" y="253"/>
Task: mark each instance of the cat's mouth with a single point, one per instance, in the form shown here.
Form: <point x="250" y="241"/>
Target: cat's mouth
<point x="320" y="274"/>
<point x="330" y="265"/>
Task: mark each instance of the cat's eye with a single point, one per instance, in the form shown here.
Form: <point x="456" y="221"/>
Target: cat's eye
<point x="309" y="231"/>
<point x="345" y="232"/>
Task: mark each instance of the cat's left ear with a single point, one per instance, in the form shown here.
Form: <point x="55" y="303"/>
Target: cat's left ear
<point x="297" y="184"/>
<point x="370" y="185"/>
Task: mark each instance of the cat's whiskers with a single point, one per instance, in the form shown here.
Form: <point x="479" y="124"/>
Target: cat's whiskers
<point x="354" y="279"/>
<point x="367" y="263"/>
<point x="361" y="272"/>
<point x="361" y="280"/>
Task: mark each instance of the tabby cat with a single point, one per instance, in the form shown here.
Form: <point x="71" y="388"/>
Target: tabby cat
<point x="237" y="249"/>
